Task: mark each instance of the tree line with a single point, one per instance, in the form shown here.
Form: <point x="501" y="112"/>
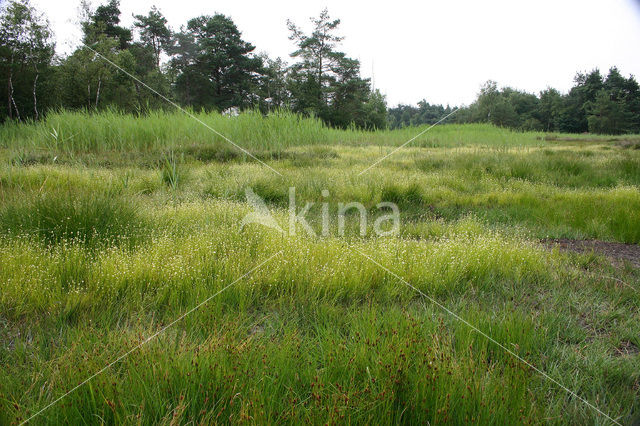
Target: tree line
<point x="207" y="65"/>
<point x="594" y="104"/>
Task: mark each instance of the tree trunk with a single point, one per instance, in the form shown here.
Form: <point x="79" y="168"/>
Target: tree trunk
<point x="156" y="48"/>
<point x="98" y="92"/>
<point x="138" y="97"/>
<point x="35" y="98"/>
<point x="10" y="89"/>
<point x="12" y="100"/>
<point x="9" y="108"/>
<point x="320" y="76"/>
<point x="320" y="94"/>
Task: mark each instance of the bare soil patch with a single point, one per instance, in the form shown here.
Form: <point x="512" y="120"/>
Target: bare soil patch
<point x="626" y="348"/>
<point x="617" y="252"/>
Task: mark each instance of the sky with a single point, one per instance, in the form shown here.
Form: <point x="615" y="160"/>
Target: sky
<point x="441" y="51"/>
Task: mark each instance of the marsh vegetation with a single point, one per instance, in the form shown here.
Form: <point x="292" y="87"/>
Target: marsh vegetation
<point x="112" y="226"/>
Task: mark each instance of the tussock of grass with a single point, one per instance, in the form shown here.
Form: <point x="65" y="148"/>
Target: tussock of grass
<point x="172" y="171"/>
<point x="87" y="218"/>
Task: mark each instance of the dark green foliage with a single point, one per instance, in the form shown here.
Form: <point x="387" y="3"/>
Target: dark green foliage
<point x="87" y="81"/>
<point x="272" y="87"/>
<point x="104" y="23"/>
<point x="215" y="68"/>
<point x="312" y="78"/>
<point x="375" y="111"/>
<point x="549" y="109"/>
<point x="607" y="115"/>
<point x="614" y="108"/>
<point x="424" y="113"/>
<point x="493" y="106"/>
<point x="326" y="83"/>
<point x="26" y="52"/>
<point x="154" y="32"/>
<point x="595" y="104"/>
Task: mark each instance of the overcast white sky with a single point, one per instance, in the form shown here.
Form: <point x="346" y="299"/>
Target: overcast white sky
<point x="438" y="50"/>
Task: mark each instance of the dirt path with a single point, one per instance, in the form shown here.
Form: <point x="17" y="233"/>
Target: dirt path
<point x="617" y="252"/>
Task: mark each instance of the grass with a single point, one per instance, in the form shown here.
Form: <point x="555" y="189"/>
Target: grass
<point x="80" y="217"/>
<point x="73" y="132"/>
<point x="109" y="236"/>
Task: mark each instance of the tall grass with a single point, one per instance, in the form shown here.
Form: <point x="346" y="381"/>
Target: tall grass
<point x="111" y="130"/>
<point x="74" y="131"/>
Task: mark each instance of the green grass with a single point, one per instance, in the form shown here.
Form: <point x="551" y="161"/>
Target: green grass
<point x="72" y="132"/>
<point x="109" y="236"/>
<point x="86" y="218"/>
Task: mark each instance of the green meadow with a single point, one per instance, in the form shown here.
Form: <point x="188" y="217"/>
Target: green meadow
<point x="113" y="228"/>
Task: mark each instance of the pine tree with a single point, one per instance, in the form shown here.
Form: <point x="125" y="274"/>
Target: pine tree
<point x="154" y="32"/>
<point x="215" y="67"/>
